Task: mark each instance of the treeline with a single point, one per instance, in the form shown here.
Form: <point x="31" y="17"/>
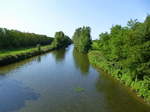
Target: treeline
<point x="17" y="39"/>
<point x="125" y="54"/>
<point x="9" y="55"/>
<point x="82" y="39"/>
<point x="61" y="40"/>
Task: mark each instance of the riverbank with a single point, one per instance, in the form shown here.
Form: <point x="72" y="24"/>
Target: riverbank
<point x="141" y="87"/>
<point x="10" y="55"/>
<point x="14" y="55"/>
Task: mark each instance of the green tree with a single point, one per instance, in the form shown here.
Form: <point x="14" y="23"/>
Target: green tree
<point x="82" y="39"/>
<point x="17" y="39"/>
<point x="125" y="53"/>
<point x="61" y="40"/>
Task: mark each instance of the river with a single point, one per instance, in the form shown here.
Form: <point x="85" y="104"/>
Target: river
<point x="63" y="81"/>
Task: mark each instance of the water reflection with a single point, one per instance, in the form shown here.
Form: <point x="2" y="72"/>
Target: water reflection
<point x="114" y="92"/>
<point x="10" y="68"/>
<point x="57" y="88"/>
<point x="13" y="95"/>
<point x="6" y="69"/>
<point x="59" y="55"/>
<point x="81" y="61"/>
<point x="39" y="59"/>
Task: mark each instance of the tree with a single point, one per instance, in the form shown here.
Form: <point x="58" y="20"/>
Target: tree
<point x="61" y="40"/>
<point x="82" y="39"/>
<point x="125" y="53"/>
<point x="17" y="39"/>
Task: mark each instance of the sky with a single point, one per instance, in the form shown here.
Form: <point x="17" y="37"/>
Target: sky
<point x="49" y="16"/>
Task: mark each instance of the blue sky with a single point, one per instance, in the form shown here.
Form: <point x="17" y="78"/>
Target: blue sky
<point x="49" y="16"/>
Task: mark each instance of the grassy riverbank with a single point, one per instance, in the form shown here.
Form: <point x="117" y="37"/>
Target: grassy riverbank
<point x="141" y="87"/>
<point x="11" y="52"/>
<point x="8" y="56"/>
<point x="124" y="52"/>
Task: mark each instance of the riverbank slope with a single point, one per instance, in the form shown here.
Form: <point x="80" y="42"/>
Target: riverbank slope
<point x="141" y="87"/>
<point x="15" y="55"/>
<point x="16" y="51"/>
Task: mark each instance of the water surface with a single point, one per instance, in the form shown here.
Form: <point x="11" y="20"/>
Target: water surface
<point x="50" y="83"/>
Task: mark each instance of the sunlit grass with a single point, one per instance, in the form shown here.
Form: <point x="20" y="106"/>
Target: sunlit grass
<point x="13" y="52"/>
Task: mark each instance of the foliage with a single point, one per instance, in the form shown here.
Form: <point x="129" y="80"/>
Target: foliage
<point x="61" y="40"/>
<point x="82" y="39"/>
<point x="16" y="45"/>
<point x="39" y="47"/>
<point x="125" y="54"/>
<point x="17" y="39"/>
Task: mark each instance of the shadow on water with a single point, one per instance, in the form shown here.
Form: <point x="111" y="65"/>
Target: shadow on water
<point x="16" y="94"/>
<point x="113" y="92"/>
<point x="10" y="68"/>
<point x="81" y="61"/>
<point x="59" y="55"/>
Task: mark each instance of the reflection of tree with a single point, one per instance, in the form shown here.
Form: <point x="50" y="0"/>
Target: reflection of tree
<point x="59" y="54"/>
<point x="116" y="97"/>
<point x="39" y="59"/>
<point x="81" y="61"/>
<point x="6" y="69"/>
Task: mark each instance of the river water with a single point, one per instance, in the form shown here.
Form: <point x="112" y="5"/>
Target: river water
<point x="63" y="81"/>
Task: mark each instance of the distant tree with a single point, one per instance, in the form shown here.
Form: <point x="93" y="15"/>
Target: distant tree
<point x="17" y="39"/>
<point x="61" y="40"/>
<point x="82" y="39"/>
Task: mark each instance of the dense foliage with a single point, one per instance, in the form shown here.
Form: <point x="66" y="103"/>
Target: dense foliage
<point x="61" y="40"/>
<point x="27" y="45"/>
<point x="82" y="39"/>
<point x="17" y="39"/>
<point x="125" y="53"/>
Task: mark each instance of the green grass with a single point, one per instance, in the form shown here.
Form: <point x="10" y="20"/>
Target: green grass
<point x="13" y="52"/>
